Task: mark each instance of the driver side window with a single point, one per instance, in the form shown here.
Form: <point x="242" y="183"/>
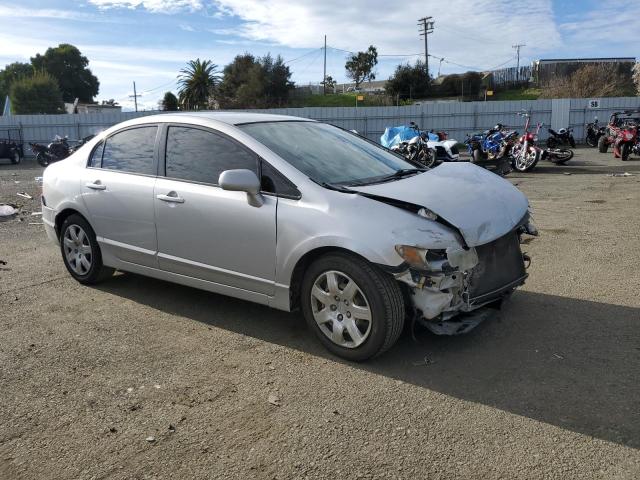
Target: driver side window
<point x="198" y="155"/>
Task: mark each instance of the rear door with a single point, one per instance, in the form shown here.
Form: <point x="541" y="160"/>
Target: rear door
<point x="117" y="190"/>
<point x="206" y="232"/>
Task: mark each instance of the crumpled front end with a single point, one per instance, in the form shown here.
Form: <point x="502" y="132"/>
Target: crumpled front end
<point x="451" y="286"/>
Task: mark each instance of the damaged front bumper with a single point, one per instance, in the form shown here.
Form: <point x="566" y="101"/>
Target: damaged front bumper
<point x="449" y="293"/>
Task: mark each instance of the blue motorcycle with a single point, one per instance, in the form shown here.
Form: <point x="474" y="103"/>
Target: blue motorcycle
<point x="490" y="149"/>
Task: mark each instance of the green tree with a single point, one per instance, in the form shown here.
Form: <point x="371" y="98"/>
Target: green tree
<point x="39" y="93"/>
<point x="197" y="83"/>
<point x="409" y="81"/>
<point x="250" y="82"/>
<point x="360" y="66"/>
<point x="9" y="74"/>
<point x="69" y="67"/>
<point x="330" y="83"/>
<point x="169" y="102"/>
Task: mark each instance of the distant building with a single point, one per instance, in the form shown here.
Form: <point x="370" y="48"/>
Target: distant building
<point x="543" y="70"/>
<point x="91" y="108"/>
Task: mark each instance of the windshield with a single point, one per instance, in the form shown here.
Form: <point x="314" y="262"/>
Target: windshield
<point x="327" y="154"/>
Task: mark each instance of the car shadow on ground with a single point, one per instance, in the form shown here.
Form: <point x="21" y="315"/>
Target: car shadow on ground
<point x="567" y="362"/>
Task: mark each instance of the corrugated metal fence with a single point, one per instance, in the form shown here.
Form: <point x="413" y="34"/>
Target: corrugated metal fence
<point x="456" y="118"/>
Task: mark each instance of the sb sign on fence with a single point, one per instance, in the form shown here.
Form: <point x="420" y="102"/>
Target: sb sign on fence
<point x="593" y="104"/>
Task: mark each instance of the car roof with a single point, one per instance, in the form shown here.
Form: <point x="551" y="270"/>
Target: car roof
<point x="231" y="118"/>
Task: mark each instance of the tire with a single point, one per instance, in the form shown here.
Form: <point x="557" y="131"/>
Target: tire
<point x="15" y="157"/>
<point x="42" y="160"/>
<point x="562" y="156"/>
<point x="591" y="141"/>
<point x="77" y="235"/>
<point x="476" y="156"/>
<point x="376" y="292"/>
<point x="625" y="151"/>
<point x="603" y="145"/>
<point x="518" y="167"/>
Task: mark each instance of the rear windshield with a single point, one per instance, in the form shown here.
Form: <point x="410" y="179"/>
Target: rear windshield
<point x="326" y="153"/>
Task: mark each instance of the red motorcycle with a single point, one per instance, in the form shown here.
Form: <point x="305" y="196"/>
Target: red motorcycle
<point x="525" y="154"/>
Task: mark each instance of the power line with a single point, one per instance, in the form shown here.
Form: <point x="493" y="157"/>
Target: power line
<point x="302" y="56"/>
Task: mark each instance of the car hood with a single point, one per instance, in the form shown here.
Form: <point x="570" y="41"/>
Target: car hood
<point x="480" y="204"/>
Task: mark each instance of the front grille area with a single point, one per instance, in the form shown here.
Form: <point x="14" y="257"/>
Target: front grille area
<point x="500" y="266"/>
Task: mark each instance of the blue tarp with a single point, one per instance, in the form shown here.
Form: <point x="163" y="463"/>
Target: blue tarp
<point x="394" y="135"/>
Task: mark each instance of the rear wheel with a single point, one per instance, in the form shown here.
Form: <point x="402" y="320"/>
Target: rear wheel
<point x="355" y="309"/>
<point x="81" y="252"/>
<point x="561" y="156"/>
<point x="477" y="156"/>
<point x="603" y="145"/>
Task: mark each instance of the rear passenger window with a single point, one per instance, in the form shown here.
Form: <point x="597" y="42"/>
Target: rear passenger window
<point x="201" y="156"/>
<point x="131" y="151"/>
<point x="96" y="156"/>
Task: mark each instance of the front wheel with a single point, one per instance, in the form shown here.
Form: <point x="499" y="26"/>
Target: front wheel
<point x="526" y="161"/>
<point x="81" y="252"/>
<point x="355" y="309"/>
<point x="591" y="141"/>
<point x="42" y="159"/>
<point x="15" y="157"/>
<point x="603" y="145"/>
<point x="625" y="151"/>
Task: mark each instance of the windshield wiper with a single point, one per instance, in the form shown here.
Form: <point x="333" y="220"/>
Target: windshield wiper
<point x="403" y="172"/>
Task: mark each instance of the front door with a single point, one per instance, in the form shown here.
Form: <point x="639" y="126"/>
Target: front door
<point x="206" y="232"/>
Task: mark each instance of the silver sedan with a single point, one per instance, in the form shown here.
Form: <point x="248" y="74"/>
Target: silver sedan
<point x="293" y="214"/>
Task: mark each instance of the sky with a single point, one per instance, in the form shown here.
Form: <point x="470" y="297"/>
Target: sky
<point x="149" y="41"/>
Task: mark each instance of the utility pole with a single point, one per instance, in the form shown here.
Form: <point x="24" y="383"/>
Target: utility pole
<point x="135" y="96"/>
<point x="518" y="47"/>
<point x="324" y="77"/>
<point x="426" y="26"/>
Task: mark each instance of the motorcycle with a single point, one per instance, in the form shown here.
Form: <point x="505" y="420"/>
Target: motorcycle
<point x="626" y="142"/>
<point x="525" y="154"/>
<point x="492" y="148"/>
<point x="57" y="150"/>
<point x="564" y="136"/>
<point x="410" y="143"/>
<point x="594" y="132"/>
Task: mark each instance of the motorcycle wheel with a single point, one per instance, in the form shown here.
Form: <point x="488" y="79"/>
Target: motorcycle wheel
<point x="625" y="151"/>
<point x="15" y="157"/>
<point x="561" y="156"/>
<point x="476" y="156"/>
<point x="427" y="157"/>
<point x="591" y="141"/>
<point x="42" y="160"/>
<point x="603" y="145"/>
<point x="528" y="164"/>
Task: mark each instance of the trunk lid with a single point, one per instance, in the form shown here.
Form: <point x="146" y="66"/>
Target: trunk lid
<point x="482" y="205"/>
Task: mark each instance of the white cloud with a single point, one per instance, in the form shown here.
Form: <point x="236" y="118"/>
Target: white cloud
<point x="186" y="27"/>
<point x="481" y="38"/>
<point x="15" y="11"/>
<point x="155" y="6"/>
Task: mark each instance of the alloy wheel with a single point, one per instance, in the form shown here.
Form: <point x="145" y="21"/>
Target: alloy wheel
<point x="77" y="250"/>
<point x="341" y="309"/>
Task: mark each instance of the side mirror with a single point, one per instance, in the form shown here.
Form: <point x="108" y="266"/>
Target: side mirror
<point x="242" y="180"/>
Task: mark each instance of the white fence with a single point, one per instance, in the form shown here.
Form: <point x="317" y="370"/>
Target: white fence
<point x="456" y="118"/>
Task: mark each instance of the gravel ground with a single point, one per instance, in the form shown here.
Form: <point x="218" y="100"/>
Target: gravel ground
<point x="139" y="378"/>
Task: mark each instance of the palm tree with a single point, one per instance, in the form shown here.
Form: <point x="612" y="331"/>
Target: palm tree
<point x="196" y="84"/>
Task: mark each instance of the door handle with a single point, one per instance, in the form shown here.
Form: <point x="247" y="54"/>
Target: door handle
<point x="171" y="197"/>
<point x="96" y="185"/>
